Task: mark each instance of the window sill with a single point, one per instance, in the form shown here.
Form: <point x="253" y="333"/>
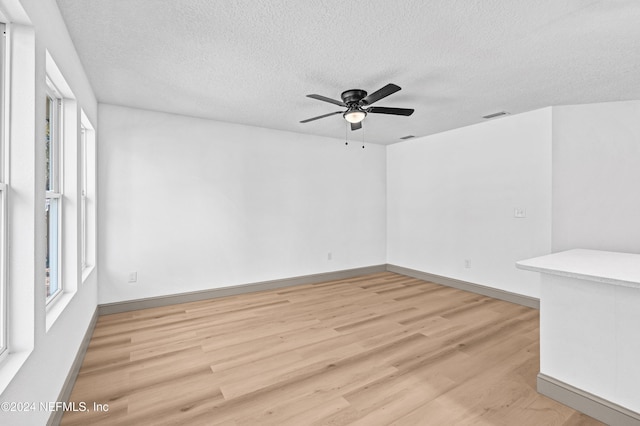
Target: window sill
<point x="56" y="308"/>
<point x="10" y="367"/>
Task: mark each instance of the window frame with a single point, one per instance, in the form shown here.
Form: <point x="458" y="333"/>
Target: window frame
<point x="4" y="189"/>
<point x="83" y="197"/>
<point x="87" y="196"/>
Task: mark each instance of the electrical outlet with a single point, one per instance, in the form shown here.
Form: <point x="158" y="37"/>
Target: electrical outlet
<point x="467" y="263"/>
<point x="519" y="213"/>
<point x="133" y="277"/>
<point x="329" y="256"/>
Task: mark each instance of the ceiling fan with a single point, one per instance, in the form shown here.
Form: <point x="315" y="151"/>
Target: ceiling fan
<point x="358" y="104"/>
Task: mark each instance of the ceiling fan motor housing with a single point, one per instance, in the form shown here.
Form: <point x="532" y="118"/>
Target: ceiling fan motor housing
<point x="353" y="96"/>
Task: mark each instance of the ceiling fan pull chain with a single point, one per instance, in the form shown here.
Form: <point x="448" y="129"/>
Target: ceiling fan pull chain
<point x="346" y="133"/>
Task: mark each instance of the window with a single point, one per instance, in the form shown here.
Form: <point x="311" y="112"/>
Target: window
<point x="53" y="202"/>
<point x="62" y="201"/>
<point x="18" y="114"/>
<point x="83" y="197"/>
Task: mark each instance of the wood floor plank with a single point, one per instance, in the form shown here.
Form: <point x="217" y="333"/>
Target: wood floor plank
<point x="377" y="349"/>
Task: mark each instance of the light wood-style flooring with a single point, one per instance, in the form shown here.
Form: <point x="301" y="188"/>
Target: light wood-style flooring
<point x="381" y="349"/>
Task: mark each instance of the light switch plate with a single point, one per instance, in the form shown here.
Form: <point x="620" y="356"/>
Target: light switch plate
<point x="519" y="213"/>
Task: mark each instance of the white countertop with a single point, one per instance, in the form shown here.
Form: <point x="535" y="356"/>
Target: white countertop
<point x="593" y="265"/>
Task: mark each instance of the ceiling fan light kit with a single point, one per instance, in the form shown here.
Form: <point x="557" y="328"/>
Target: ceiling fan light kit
<point x="358" y="103"/>
<point x="354" y="115"/>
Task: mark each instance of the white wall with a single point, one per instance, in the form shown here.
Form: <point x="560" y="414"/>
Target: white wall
<point x="193" y="204"/>
<point x="596" y="172"/>
<point x="50" y="356"/>
<point x="451" y="197"/>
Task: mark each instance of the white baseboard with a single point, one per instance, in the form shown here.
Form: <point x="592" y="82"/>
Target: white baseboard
<point x="528" y="301"/>
<point x="154" y="302"/>
<point x="589" y="404"/>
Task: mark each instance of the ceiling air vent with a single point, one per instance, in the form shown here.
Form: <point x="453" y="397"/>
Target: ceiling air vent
<point x="496" y="114"/>
<point x="407" y="137"/>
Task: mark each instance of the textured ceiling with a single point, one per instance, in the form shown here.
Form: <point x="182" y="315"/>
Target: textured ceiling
<point x="253" y="62"/>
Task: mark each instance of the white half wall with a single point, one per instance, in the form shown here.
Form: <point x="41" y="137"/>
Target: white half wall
<point x="589" y="337"/>
<point x="451" y="199"/>
<point x="192" y="204"/>
<point x="596" y="171"/>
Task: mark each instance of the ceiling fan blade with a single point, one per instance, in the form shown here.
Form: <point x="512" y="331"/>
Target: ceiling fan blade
<point x="356" y="126"/>
<point x="387" y="90"/>
<point x="324" y="98"/>
<point x="392" y="111"/>
<point x="321" y="116"/>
